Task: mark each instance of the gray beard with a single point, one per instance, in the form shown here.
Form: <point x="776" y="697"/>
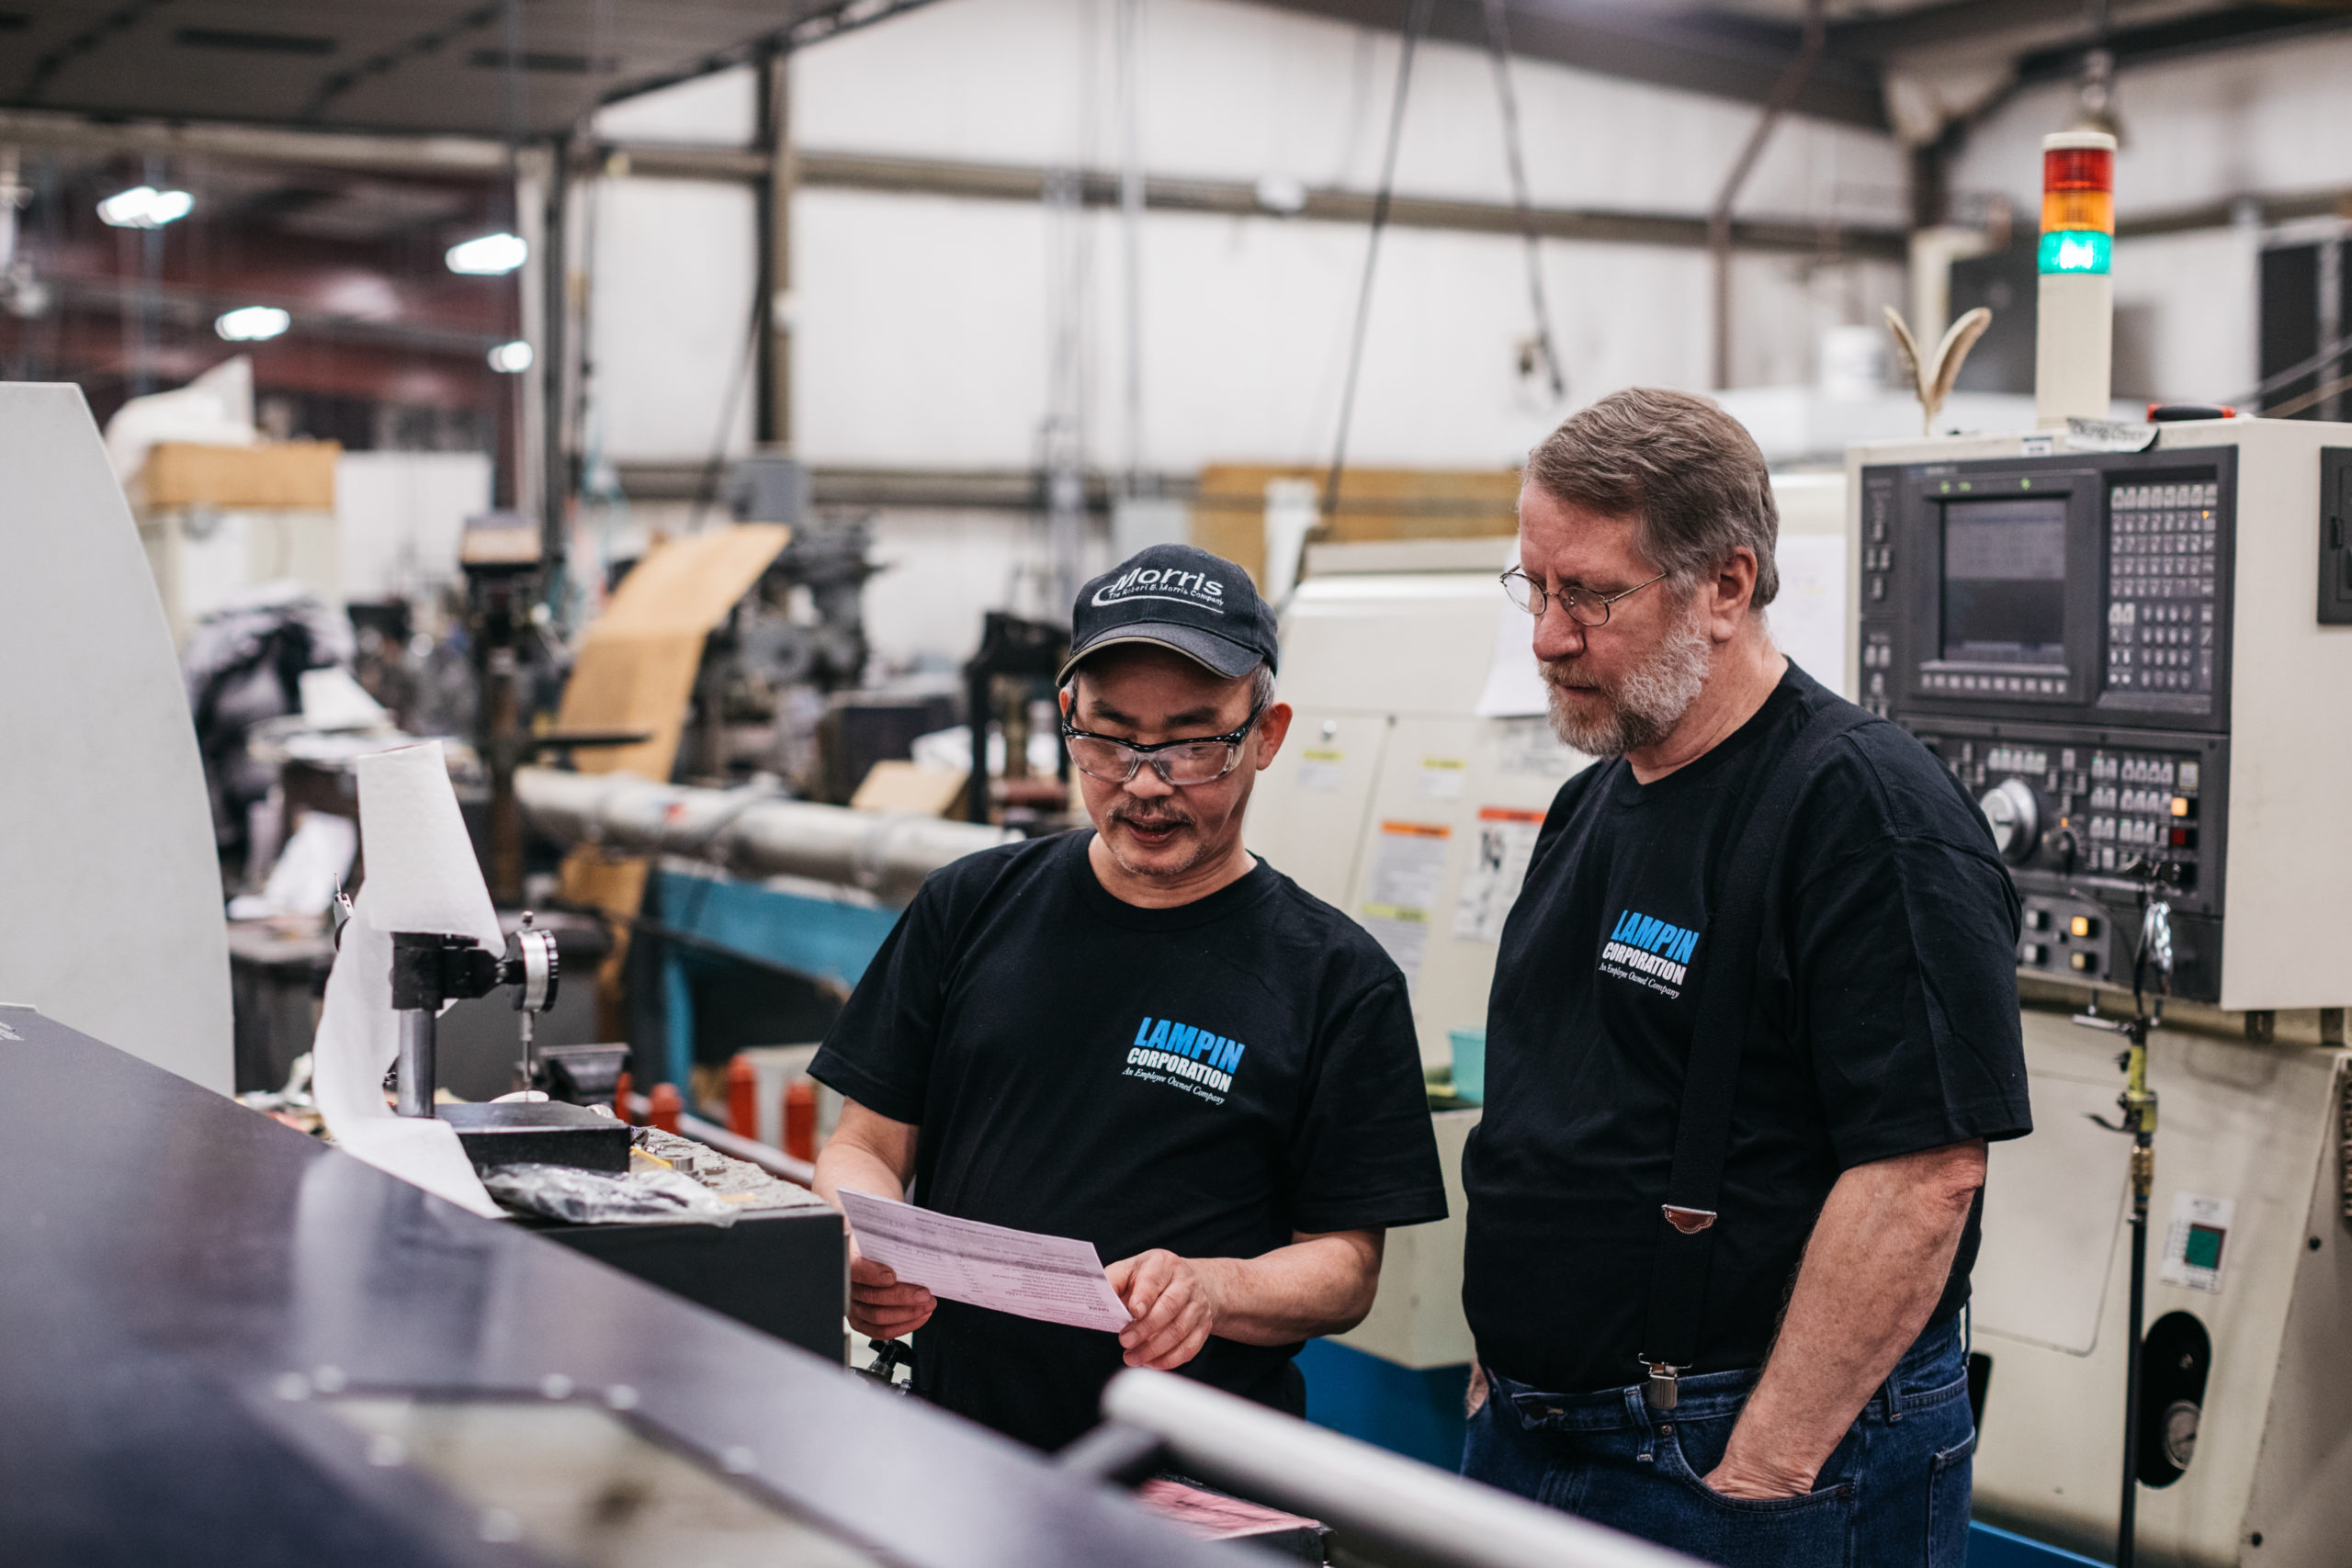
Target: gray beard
<point x="1643" y="708"/>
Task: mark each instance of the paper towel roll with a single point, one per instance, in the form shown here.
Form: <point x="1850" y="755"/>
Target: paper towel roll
<point x="422" y="877"/>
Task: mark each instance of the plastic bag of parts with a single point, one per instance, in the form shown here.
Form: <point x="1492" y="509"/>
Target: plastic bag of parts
<point x="595" y="1198"/>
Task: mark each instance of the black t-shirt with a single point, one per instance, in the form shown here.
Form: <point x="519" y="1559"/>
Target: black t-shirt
<point x="1208" y="1078"/>
<point x="1884" y="1023"/>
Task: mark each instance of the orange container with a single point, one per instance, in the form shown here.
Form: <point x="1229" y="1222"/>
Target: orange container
<point x="622" y="1089"/>
<point x="666" y="1105"/>
<point x="743" y="1097"/>
<point x="800" y="1118"/>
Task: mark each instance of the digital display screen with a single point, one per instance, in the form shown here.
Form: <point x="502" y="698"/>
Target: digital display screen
<point x="2005" y="582"/>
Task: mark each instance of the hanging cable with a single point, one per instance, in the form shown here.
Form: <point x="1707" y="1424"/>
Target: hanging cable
<point x="2295" y="372"/>
<point x="715" y="468"/>
<point x="1498" y="48"/>
<point x="1417" y="22"/>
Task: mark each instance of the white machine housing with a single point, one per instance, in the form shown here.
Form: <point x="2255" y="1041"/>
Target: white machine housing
<point x="2249" y="1152"/>
<point x="112" y="923"/>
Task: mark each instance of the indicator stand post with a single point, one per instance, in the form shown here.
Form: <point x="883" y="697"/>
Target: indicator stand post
<point x="2137" y="1106"/>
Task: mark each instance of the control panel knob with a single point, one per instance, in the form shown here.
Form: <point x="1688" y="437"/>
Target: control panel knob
<point x="2064" y="847"/>
<point x="2015" y="818"/>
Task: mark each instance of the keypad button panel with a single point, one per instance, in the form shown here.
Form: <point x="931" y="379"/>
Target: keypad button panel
<point x="2162" y="587"/>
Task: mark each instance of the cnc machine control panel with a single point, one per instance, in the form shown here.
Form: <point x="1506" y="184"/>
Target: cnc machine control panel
<point x="2057" y="631"/>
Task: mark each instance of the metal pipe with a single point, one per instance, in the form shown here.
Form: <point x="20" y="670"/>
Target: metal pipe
<point x="887" y="855"/>
<point x="416" y="1064"/>
<point x="771" y="424"/>
<point x="1405" y="1510"/>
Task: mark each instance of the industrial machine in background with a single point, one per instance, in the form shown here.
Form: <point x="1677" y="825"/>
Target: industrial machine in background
<point x="1008" y="686"/>
<point x="2126" y="641"/>
<point x="772" y="666"/>
<point x="2132" y="659"/>
<point x="2114" y="652"/>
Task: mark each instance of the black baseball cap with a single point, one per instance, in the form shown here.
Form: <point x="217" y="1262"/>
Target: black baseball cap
<point x="1177" y="597"/>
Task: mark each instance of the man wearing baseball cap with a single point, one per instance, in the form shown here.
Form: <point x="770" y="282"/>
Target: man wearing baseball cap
<point x="1142" y="1036"/>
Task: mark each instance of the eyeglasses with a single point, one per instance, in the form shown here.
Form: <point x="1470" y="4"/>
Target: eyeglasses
<point x="1585" y="607"/>
<point x="1178" y="762"/>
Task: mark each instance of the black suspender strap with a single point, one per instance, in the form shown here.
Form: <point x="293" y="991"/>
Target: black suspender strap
<point x="1732" y="948"/>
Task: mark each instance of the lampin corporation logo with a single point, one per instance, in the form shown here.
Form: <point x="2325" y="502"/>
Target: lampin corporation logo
<point x="1181" y="1054"/>
<point x="1197" y="588"/>
<point x="1651" y="949"/>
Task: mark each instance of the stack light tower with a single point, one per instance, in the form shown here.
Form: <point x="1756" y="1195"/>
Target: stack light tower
<point x="2075" y="330"/>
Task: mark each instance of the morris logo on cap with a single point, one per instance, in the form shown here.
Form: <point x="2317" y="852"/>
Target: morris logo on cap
<point x="1195" y="588"/>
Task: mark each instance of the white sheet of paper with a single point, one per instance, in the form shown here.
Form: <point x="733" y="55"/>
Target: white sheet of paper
<point x="1809" y="618"/>
<point x="1497" y="868"/>
<point x="1050" y="1278"/>
<point x="1514" y="687"/>
<point x="422" y="875"/>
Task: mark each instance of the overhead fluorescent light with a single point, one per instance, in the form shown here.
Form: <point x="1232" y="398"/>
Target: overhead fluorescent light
<point x="490" y="256"/>
<point x="511" y="358"/>
<point x="253" y="323"/>
<point x="144" y="206"/>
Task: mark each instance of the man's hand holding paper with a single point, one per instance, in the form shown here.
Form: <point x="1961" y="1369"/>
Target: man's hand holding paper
<point x="880" y="1306"/>
<point x="1049" y="1278"/>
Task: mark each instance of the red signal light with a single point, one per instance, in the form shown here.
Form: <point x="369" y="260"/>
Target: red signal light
<point x="2078" y="168"/>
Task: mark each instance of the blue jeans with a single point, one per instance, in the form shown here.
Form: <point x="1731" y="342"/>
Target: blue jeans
<point x="1895" y="1492"/>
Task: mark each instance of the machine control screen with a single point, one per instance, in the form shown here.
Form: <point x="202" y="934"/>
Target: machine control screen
<point x="2005" y="582"/>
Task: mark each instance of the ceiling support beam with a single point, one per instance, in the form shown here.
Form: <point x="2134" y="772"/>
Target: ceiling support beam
<point x="1235" y="199"/>
<point x="1722" y="57"/>
<point x="270" y="144"/>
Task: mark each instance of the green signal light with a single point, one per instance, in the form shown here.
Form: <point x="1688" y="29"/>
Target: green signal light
<point x="2076" y="250"/>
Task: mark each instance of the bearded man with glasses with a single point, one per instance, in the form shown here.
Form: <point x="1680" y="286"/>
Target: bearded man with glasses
<point x="1142" y="1036"/>
<point x="1754" y="1021"/>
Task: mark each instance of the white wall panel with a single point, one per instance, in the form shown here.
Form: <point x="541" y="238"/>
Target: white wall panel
<point x="2186" y="309"/>
<point x="921" y="335"/>
<point x="669" y="316"/>
<point x="924" y="335"/>
<point x="1239" y="91"/>
<point x="720" y="109"/>
<point x="942" y="571"/>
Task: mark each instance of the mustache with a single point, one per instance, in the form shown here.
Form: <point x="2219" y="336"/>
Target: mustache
<point x="1152" y="821"/>
<point x="1562" y="672"/>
